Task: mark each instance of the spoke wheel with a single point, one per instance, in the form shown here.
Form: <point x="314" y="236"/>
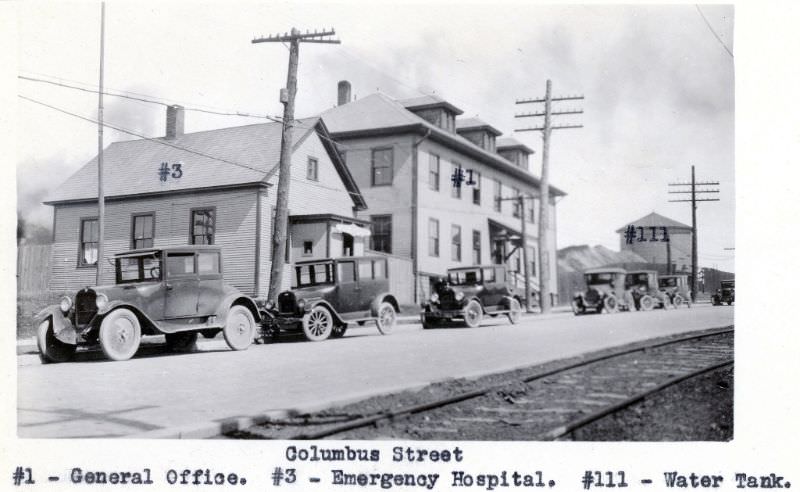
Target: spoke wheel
<point x="318" y="324"/>
<point x="240" y="328"/>
<point x="473" y="314"/>
<point x="120" y="334"/>
<point x="387" y="318"/>
<point x="646" y="303"/>
<point x="611" y="304"/>
<point x="183" y="342"/>
<point x="679" y="301"/>
<point x="51" y="349"/>
<point x="514" y="311"/>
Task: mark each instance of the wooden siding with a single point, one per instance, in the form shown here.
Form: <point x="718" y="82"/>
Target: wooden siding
<point x="33" y="268"/>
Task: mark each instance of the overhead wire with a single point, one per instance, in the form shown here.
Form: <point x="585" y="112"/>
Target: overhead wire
<point x="708" y="24"/>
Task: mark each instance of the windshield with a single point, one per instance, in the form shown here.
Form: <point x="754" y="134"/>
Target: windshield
<point x="727" y="284"/>
<point x="138" y="268"/>
<point x="599" y="278"/>
<point x="668" y="282"/>
<point x="314" y="274"/>
<point x="636" y="279"/>
<point x="464" y="277"/>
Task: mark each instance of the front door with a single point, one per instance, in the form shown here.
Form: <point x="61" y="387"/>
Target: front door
<point x="348" y="288"/>
<point x="181" y="286"/>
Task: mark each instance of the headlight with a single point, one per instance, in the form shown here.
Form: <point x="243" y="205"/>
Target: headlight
<point x="101" y="301"/>
<point x="301" y="304"/>
<point x="65" y="304"/>
<point x="269" y="304"/>
<point x="434" y="298"/>
<point x="459" y="296"/>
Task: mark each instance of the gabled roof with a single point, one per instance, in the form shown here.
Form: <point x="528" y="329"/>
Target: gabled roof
<point x="470" y="124"/>
<point x="378" y="114"/>
<point x="510" y="143"/>
<point x="222" y="158"/>
<point x="656" y="220"/>
<point x="427" y="102"/>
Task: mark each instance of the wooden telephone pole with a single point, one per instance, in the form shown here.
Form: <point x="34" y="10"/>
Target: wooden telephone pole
<point x="544" y="209"/>
<point x="101" y="198"/>
<point x="694" y="191"/>
<point x="294" y="38"/>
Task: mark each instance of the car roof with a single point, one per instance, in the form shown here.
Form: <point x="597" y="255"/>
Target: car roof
<point x="188" y="248"/>
<point x="474" y="267"/>
<point x="642" y="271"/>
<point x="676" y="275"/>
<point x="341" y="258"/>
<point x="605" y="270"/>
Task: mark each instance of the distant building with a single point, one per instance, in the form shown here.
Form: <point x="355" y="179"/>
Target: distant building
<point x="648" y="242"/>
<point x="403" y="154"/>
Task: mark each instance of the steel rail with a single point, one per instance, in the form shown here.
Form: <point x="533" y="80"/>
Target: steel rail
<point x="419" y="408"/>
<point x="563" y="430"/>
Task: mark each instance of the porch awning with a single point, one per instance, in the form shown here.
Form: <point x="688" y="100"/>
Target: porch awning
<point x="351" y="229"/>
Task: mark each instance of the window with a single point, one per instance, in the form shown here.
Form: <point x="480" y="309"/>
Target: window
<point x="382" y="162"/>
<point x="180" y="264"/>
<point x="476" y="188"/>
<point x="203" y="226"/>
<point x="381" y="233"/>
<point x="312" y="171"/>
<point x="379" y="268"/>
<point x="476" y="247"/>
<point x="433" y="237"/>
<point x="488" y="275"/>
<point x="142" y="230"/>
<point x="532" y="261"/>
<point x="138" y="269"/>
<point x="532" y="210"/>
<point x="365" y="270"/>
<point x="456" y="188"/>
<point x="433" y="172"/>
<point x="320" y="273"/>
<point x="207" y="262"/>
<point x="89" y="239"/>
<point x="515" y="210"/>
<point x="308" y="248"/>
<point x="498" y="196"/>
<point x="455" y="250"/>
<point x="347" y="272"/>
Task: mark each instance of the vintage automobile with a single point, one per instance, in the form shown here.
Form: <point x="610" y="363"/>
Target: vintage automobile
<point x="470" y="292"/>
<point x="175" y="291"/>
<point x="676" y="288"/>
<point x="724" y="294"/>
<point x="642" y="290"/>
<point x="605" y="291"/>
<point x="330" y="293"/>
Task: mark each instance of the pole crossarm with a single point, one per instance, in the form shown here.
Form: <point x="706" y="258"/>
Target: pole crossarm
<point x="699" y="183"/>
<point x="698" y="200"/>
<point x="292" y="36"/>
<point x="696" y="191"/>
<point x="530" y="115"/>
<point x="562" y="98"/>
<point x="541" y="128"/>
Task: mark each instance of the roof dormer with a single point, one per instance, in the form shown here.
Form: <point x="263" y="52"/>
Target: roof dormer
<point x="478" y="132"/>
<point x="515" y="151"/>
<point x="434" y="110"/>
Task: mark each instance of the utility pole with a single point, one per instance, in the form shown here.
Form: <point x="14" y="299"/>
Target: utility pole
<point x="524" y="245"/>
<point x="694" y="192"/>
<point x="544" y="209"/>
<point x="101" y="198"/>
<point x="294" y="38"/>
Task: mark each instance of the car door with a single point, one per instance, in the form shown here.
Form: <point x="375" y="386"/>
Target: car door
<point x="348" y="291"/>
<point x="493" y="285"/>
<point x="368" y="285"/>
<point x="181" y="285"/>
<point x="209" y="275"/>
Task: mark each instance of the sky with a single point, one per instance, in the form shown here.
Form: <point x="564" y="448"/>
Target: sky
<point x="658" y="88"/>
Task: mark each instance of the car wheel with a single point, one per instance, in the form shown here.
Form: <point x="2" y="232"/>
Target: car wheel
<point x="678" y="301"/>
<point x="578" y="308"/>
<point x="120" y="334"/>
<point x="318" y="324"/>
<point x="51" y="349"/>
<point x="183" y="342"/>
<point x="339" y="330"/>
<point x="387" y="318"/>
<point x="240" y="328"/>
<point x="514" y="311"/>
<point x="610" y="304"/>
<point x="646" y="303"/>
<point x="473" y="314"/>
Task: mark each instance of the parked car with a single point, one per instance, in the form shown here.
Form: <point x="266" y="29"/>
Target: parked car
<point x="330" y="293"/>
<point x="469" y="293"/>
<point x="176" y="291"/>
<point x="605" y="290"/>
<point x="724" y="294"/>
<point x="643" y="291"/>
<point x="676" y="288"/>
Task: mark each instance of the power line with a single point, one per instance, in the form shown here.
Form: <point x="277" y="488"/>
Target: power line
<point x="712" y="30"/>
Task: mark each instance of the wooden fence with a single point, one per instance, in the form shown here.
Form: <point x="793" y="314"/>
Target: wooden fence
<point x="33" y="268"/>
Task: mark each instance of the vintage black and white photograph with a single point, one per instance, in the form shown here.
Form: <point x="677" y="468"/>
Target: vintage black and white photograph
<point x="358" y="221"/>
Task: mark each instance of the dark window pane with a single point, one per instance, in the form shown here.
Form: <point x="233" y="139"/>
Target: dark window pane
<point x="180" y="263"/>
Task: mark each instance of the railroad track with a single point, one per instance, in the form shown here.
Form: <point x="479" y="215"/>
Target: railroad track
<point x="547" y="404"/>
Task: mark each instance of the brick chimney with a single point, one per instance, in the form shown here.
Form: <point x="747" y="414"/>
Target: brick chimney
<point x="344" y="92"/>
<point x="174" y="121"/>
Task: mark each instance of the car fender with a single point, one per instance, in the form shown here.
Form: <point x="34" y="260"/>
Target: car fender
<point x="144" y="319"/>
<point x="63" y="329"/>
<point x="466" y="300"/>
<point x="237" y="298"/>
<point x="312" y="303"/>
<point x="377" y="300"/>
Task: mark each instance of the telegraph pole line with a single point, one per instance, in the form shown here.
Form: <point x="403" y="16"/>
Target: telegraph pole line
<point x="544" y="209"/>
<point x="294" y="38"/>
<point x="101" y="199"/>
<point x="694" y="192"/>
